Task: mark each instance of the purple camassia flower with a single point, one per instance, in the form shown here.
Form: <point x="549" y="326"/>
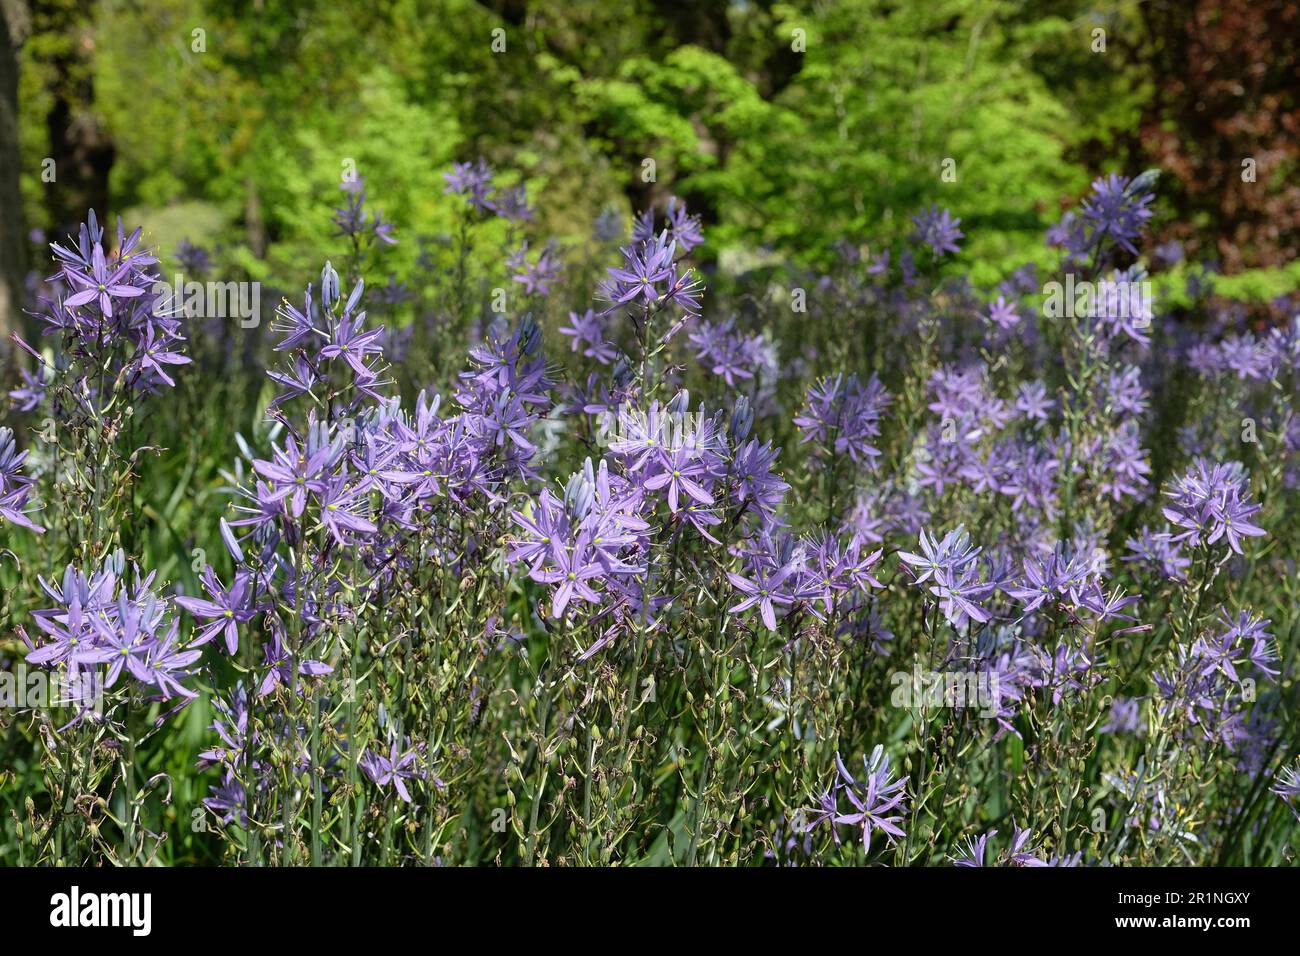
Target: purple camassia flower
<point x="1030" y="477"/>
<point x="33" y="390"/>
<point x="754" y="485"/>
<point x="1126" y="465"/>
<point x="354" y="221"/>
<point x="339" y="503"/>
<point x="375" y="458"/>
<point x="488" y="441"/>
<point x="862" y="622"/>
<point x="512" y="204"/>
<point x="1287" y="786"/>
<point x="236" y="754"/>
<point x="1033" y="403"/>
<point x="545" y="526"/>
<point x="103" y="284"/>
<point x="976" y="847"/>
<point x="727" y="352"/>
<point x="1203" y="685"/>
<point x="1060" y="577"/>
<point x="99" y="620"/>
<point x="231" y="726"/>
<point x="121" y="643"/>
<point x="640" y="439"/>
<point x="228" y="799"/>
<point x="502" y="396"/>
<point x="1284" y="342"/>
<point x="1125" y="717"/>
<point x="875" y="802"/>
<point x="167" y="662"/>
<point x="652" y="277"/>
<point x="682" y="472"/>
<point x="538" y="277"/>
<point x="608" y="225"/>
<point x="948" y="457"/>
<point x="348" y="342"/>
<point x="15" y="508"/>
<point x="506" y="419"/>
<point x="844" y="415"/>
<point x="1247" y="358"/>
<point x="949" y="567"/>
<point x="1018" y="854"/>
<point x="112" y="322"/>
<point x="1125" y="390"/>
<point x="15" y="487"/>
<point x="1022" y="855"/>
<point x="1064" y="669"/>
<point x="280" y="666"/>
<point x="765" y="591"/>
<point x="298" y="327"/>
<point x="685" y="229"/>
<point x="232" y="755"/>
<point x="570" y="571"/>
<point x="154" y="352"/>
<point x="226" y="608"/>
<point x="1158" y="548"/>
<point x="583" y="541"/>
<point x="963" y="395"/>
<point x="832" y="570"/>
<point x="645" y="266"/>
<point x="643" y="226"/>
<point x="1118" y="207"/>
<point x="1219" y="651"/>
<point x="323" y="346"/>
<point x="633" y="608"/>
<point x="473" y="181"/>
<point x="937" y="229"/>
<point x="1212" y="501"/>
<point x="393" y="769"/>
<point x="670" y="450"/>
<point x="1003" y="314"/>
<point x="1123" y="310"/>
<point x="588" y="333"/>
<point x="293" y="473"/>
<point x="683" y="291"/>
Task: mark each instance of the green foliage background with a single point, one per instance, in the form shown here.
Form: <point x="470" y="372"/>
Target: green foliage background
<point x="785" y="152"/>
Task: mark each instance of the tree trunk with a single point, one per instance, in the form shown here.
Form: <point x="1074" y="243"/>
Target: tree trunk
<point x="12" y="237"/>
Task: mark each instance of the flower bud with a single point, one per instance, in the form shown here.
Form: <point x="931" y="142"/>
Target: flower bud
<point x="742" y="420"/>
<point x="578" y="495"/>
<point x="329" y="285"/>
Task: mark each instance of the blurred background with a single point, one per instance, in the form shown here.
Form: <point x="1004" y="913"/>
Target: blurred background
<point x="789" y="127"/>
